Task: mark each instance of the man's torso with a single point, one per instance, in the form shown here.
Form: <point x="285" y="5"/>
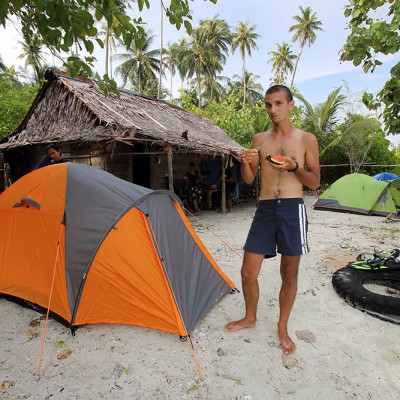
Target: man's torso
<point x="276" y="184"/>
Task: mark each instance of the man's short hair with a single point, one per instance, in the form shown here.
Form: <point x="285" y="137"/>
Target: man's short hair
<point x="280" y="88"/>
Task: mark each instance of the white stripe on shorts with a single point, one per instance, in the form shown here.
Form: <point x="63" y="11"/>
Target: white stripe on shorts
<point x="303" y="228"/>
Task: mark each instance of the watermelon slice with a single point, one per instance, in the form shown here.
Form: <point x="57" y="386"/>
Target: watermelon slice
<point x="277" y="160"/>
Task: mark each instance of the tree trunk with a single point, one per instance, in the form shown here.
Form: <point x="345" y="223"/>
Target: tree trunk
<point x="170" y="86"/>
<point x="199" y="88"/>
<point x="295" y="67"/>
<point x="244" y="78"/>
<point x="107" y="49"/>
<point x="161" y="49"/>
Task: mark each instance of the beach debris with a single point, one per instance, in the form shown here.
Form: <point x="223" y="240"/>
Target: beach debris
<point x="247" y="340"/>
<point x="64" y="354"/>
<point x="220" y="352"/>
<point x="306" y="335"/>
<point x="118" y="370"/>
<point x="345" y="244"/>
<point x="274" y="344"/>
<point x="32" y="333"/>
<point x="6" y="385"/>
<point x="34" y="323"/>
<point x="231" y="377"/>
<point x="289" y="361"/>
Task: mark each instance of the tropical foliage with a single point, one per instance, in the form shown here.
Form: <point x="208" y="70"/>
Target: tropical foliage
<point x="244" y="39"/>
<point x="15" y="101"/>
<point x="282" y="63"/>
<point x="304" y="31"/>
<point x="347" y="140"/>
<point x="140" y="64"/>
<point x="62" y="24"/>
<point x="369" y="38"/>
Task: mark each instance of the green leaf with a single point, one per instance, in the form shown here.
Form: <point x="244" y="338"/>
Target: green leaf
<point x="68" y="39"/>
<point x="85" y="17"/>
<point x="100" y="42"/>
<point x="89" y="46"/>
<point x="92" y="31"/>
<point x="188" y="27"/>
<point x="98" y="15"/>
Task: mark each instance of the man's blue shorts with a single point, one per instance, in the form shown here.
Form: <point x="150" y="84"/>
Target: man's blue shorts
<point x="279" y="225"/>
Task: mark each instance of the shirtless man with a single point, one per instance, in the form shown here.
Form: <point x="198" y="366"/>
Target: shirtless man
<point x="280" y="222"/>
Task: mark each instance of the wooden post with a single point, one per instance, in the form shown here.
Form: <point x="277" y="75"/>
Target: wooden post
<point x="223" y="186"/>
<point x="168" y="149"/>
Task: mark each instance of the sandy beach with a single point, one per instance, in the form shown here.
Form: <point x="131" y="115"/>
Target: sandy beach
<point x="354" y="355"/>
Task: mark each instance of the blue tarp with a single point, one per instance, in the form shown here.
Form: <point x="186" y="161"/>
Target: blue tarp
<point x="386" y="176"/>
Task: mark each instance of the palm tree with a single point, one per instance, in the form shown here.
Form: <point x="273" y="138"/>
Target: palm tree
<point x="213" y="89"/>
<point x="12" y="74"/>
<point x="32" y="51"/>
<point x="357" y="138"/>
<point x="110" y="44"/>
<point x="216" y="34"/>
<point x="108" y="32"/>
<point x="2" y="65"/>
<point x="199" y="60"/>
<point x="248" y="85"/>
<point x="244" y="38"/>
<point x="182" y="46"/>
<point x="323" y="118"/>
<point x="160" y="72"/>
<point x="282" y="62"/>
<point x="304" y="31"/>
<point x="140" y="64"/>
<point x="170" y="60"/>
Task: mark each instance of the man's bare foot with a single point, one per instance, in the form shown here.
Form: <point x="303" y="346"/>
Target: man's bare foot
<point x="287" y="344"/>
<point x="237" y="325"/>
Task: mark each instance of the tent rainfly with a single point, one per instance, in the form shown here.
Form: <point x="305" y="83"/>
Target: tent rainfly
<point x="99" y="249"/>
<point x="361" y="194"/>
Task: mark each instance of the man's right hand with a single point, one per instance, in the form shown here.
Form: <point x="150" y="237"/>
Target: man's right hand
<point x="249" y="155"/>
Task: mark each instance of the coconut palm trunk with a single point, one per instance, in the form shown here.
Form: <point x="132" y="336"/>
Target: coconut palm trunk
<point x="244" y="77"/>
<point x="295" y="65"/>
<point x="107" y="50"/>
<point x="161" y="49"/>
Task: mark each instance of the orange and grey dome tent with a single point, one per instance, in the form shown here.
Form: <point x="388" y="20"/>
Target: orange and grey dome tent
<point x="104" y="251"/>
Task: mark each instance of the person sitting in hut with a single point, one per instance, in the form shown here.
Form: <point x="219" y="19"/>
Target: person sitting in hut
<point x="193" y="186"/>
<point x="53" y="156"/>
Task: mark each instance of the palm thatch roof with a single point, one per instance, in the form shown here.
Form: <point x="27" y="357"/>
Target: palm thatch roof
<point x="75" y="110"/>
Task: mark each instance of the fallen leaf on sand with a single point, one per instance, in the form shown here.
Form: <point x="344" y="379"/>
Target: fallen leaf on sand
<point x="306" y="335"/>
<point x="63" y="354"/>
<point x="7" y="384"/>
<point x="32" y="333"/>
<point x="34" y="323"/>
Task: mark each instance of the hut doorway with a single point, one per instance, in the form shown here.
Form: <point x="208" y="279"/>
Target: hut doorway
<point x="141" y="170"/>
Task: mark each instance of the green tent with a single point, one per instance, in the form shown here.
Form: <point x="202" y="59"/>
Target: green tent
<point x="362" y="194"/>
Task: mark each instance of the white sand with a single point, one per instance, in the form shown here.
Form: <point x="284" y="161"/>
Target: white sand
<point x="355" y="356"/>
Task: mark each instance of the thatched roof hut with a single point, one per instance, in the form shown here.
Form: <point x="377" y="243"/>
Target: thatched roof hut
<point x="75" y="114"/>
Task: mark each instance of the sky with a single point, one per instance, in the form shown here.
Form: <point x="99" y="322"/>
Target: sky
<point x="319" y="71"/>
